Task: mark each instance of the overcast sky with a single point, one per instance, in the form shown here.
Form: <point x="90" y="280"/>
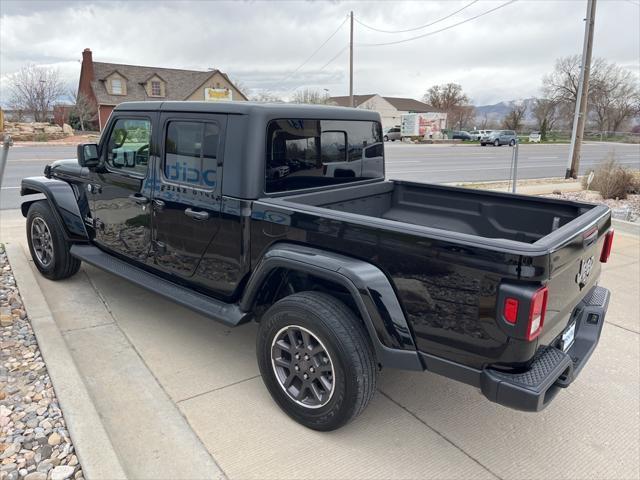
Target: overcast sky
<point x="499" y="56"/>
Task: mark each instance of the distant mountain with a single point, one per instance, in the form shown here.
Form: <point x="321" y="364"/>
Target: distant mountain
<point x="497" y="111"/>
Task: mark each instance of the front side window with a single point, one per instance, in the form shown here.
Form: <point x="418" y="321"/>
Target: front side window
<point x="116" y="86"/>
<point x="315" y="153"/>
<point x="191" y="154"/>
<point x="128" y="145"/>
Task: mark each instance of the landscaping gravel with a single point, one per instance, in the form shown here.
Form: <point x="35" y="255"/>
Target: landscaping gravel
<point x="627" y="209"/>
<point x="34" y="441"/>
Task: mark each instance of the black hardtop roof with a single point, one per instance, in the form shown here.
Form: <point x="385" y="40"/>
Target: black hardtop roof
<point x="272" y="110"/>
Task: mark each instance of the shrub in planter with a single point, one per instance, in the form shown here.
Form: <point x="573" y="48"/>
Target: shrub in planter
<point x="612" y="180"/>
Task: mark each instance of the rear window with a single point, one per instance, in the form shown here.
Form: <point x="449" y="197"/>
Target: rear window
<point x="314" y="153"/>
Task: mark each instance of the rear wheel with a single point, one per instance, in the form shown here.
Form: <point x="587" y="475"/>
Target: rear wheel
<point x="483" y="144"/>
<point x="316" y="360"/>
<point x="47" y="244"/>
<point x="512" y="143"/>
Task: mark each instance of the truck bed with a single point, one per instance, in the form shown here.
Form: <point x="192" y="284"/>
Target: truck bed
<point x="474" y="212"/>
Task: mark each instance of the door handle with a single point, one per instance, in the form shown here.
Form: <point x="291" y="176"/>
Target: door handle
<point x="139" y="199"/>
<point x="196" y="215"/>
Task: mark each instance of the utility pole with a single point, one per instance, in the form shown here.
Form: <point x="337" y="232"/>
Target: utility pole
<point x="351" y="102"/>
<point x="580" y="115"/>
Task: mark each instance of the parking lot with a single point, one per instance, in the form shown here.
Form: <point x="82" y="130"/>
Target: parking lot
<point x="177" y="392"/>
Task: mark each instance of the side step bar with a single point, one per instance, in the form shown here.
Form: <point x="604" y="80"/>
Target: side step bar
<point x="227" y="313"/>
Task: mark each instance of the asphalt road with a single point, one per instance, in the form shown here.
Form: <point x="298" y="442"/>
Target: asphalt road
<point x="424" y="163"/>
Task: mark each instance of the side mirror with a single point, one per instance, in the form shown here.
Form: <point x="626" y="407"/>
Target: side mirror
<point x="88" y="155"/>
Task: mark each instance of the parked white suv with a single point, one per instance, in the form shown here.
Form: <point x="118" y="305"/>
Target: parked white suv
<point x="535" y="137"/>
<point x="476" y="135"/>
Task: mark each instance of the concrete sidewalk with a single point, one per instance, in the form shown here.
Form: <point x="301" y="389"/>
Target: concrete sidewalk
<point x="180" y="396"/>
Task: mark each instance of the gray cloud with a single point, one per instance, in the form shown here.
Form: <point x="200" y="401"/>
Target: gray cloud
<point x="499" y="56"/>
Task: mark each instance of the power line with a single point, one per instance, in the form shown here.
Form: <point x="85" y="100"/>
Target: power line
<point x="333" y="59"/>
<point x="287" y="77"/>
<point x="421" y="26"/>
<point x="440" y="30"/>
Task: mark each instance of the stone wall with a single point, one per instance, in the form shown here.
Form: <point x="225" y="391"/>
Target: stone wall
<point x="36" y="131"/>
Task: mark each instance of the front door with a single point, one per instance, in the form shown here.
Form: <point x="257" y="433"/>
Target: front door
<point x="187" y="203"/>
<point x="120" y="190"/>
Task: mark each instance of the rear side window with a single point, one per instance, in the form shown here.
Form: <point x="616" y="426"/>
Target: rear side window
<point x="314" y="153"/>
<point x="191" y="153"/>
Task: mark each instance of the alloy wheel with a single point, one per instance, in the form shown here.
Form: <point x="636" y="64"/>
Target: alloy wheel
<point x="41" y="241"/>
<point x="302" y="366"/>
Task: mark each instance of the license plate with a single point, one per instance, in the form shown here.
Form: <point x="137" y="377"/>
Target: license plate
<point x="569" y="336"/>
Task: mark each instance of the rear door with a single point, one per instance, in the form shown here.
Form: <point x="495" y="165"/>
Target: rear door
<point x="186" y="204"/>
<point x="119" y="190"/>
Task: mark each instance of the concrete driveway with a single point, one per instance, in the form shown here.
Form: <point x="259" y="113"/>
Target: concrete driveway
<point x="180" y="395"/>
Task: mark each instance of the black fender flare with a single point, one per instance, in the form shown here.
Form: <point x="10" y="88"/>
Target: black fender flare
<point x="370" y="288"/>
<point x="62" y="200"/>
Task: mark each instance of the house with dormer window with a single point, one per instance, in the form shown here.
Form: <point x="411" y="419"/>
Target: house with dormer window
<point x="108" y="84"/>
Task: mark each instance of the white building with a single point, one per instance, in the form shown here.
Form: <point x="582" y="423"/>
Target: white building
<point x="389" y="108"/>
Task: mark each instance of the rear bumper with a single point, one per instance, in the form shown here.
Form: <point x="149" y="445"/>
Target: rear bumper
<point x="551" y="370"/>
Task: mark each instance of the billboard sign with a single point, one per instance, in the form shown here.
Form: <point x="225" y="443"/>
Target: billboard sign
<point x="217" y="95"/>
<point x="422" y="124"/>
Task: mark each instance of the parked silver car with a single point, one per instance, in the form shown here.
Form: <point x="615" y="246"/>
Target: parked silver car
<point x="500" y="137"/>
<point x="393" y="134"/>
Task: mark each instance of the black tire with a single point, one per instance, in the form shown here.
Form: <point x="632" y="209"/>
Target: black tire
<point x="483" y="144"/>
<point x="496" y="143"/>
<point x="386" y="138"/>
<point x="512" y="143"/>
<point x="51" y="258"/>
<point x="349" y="356"/>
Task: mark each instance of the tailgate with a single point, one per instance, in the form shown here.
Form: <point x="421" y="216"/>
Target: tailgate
<point x="574" y="267"/>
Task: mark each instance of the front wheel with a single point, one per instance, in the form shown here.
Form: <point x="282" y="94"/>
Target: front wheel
<point x="47" y="244"/>
<point x="496" y="143"/>
<point x="316" y="360"/>
<point x="483" y="144"/>
<point x="386" y="138"/>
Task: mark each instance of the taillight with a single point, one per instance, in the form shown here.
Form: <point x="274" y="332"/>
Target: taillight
<point x="537" y="311"/>
<point x="511" y="310"/>
<point x="606" y="248"/>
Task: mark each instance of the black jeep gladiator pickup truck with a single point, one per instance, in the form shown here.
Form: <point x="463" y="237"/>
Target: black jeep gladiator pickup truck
<point x="282" y="214"/>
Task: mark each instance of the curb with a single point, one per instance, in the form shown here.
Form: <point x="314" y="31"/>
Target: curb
<point x="632" y="228"/>
<point x="90" y="439"/>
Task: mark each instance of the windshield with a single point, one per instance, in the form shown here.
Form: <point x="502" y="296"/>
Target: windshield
<point x="313" y="153"/>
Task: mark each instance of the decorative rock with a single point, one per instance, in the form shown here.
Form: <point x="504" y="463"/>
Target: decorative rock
<point x="62" y="472"/>
<point x="36" y="476"/>
<point x="44" y="466"/>
<point x="54" y="439"/>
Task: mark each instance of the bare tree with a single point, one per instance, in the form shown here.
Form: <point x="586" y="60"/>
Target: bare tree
<point x="546" y="113"/>
<point x="265" y="96"/>
<point x="240" y="86"/>
<point x="461" y="116"/>
<point x="513" y="119"/>
<point x="35" y="89"/>
<point x="615" y="98"/>
<point x="84" y="108"/>
<point x="308" y="95"/>
<point x="450" y="99"/>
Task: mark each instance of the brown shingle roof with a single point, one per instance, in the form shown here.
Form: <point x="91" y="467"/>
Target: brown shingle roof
<point x="401" y="104"/>
<point x="410" y="105"/>
<point x="344" y="101"/>
<point x="179" y="83"/>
